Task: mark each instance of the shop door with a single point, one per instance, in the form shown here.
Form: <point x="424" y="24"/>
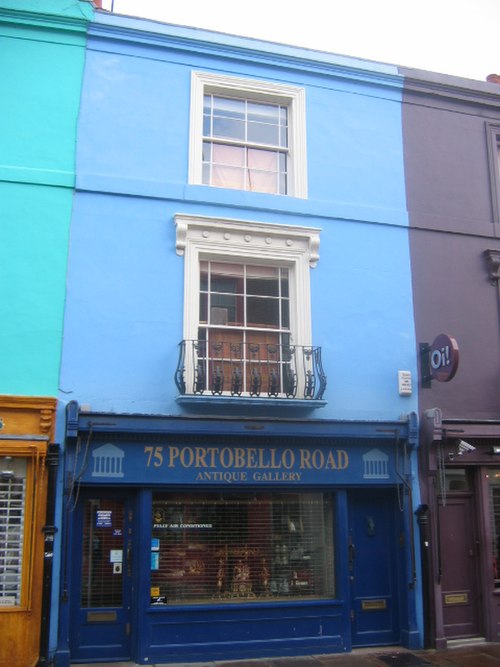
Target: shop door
<point x="374" y="555"/>
<point x="460" y="585"/>
<point x="102" y="580"/>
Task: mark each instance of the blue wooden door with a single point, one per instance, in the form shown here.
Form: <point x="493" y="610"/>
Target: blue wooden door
<point x="102" y="578"/>
<point x="374" y="565"/>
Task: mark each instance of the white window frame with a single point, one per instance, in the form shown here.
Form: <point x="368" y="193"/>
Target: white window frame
<point x="222" y="239"/>
<point x="259" y="91"/>
<point x="493" y="140"/>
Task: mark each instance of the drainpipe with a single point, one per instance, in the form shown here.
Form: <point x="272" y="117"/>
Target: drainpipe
<point x="49" y="530"/>
<point x="422" y="513"/>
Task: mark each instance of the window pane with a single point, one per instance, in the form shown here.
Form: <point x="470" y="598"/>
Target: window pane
<point x="284" y="282"/>
<point x="229" y="108"/>
<point x="226" y="277"/>
<point x="264" y="160"/>
<point x="101" y="585"/>
<point x="230" y="155"/>
<point x="494" y="492"/>
<point x="262" y="181"/>
<point x="12" y="504"/>
<point x="285" y="314"/>
<point x="228" y="177"/>
<point x="242" y="547"/>
<point x="226" y="309"/>
<point x="207" y="151"/>
<point x="262" y="312"/>
<point x="203" y="308"/>
<point x="207" y="124"/>
<point x="264" y="281"/>
<point x="263" y="113"/>
<point x="260" y="133"/>
<point x="228" y="128"/>
<point x="205" y="177"/>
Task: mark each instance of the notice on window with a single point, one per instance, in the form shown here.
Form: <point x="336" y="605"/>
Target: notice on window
<point x="103" y="518"/>
<point x="116" y="556"/>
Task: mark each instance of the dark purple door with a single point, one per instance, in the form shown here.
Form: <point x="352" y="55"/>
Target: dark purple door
<point x="460" y="585"/>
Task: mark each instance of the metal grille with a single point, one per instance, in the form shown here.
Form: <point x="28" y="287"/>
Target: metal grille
<point x="241" y="548"/>
<point x="12" y="503"/>
<point x="494" y="493"/>
<point x="102" y="553"/>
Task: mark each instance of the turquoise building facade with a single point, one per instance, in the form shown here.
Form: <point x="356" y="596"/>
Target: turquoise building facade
<point x="42" y="57"/>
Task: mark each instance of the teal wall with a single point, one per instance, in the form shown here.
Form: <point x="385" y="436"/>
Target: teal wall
<point x="42" y="55"/>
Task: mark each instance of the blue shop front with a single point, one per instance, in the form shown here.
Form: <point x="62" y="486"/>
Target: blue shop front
<point x="193" y="539"/>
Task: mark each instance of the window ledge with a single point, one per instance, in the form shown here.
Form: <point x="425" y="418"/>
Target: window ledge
<point x="249" y="401"/>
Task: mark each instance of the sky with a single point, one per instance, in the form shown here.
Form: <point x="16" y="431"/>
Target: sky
<point x="458" y="37"/>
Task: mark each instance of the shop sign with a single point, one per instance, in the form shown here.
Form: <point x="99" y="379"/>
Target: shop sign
<point x="231" y="464"/>
<point x="439" y="361"/>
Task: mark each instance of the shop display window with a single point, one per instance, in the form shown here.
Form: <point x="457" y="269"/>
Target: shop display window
<point x="13" y="476"/>
<point x="208" y="548"/>
<point x="494" y="494"/>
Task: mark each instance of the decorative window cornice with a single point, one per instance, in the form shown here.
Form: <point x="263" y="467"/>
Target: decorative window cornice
<point x="239" y="237"/>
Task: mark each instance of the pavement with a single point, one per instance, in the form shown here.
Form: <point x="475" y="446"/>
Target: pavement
<point x="470" y="655"/>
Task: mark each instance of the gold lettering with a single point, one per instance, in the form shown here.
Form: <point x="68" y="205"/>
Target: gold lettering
<point x="200" y="453"/>
<point x="187" y="463"/>
<point x="343" y="459"/>
<point x="318" y="459"/>
<point x="226" y="461"/>
<point x="239" y="457"/>
<point x="251" y="457"/>
<point x="212" y="451"/>
<point x="305" y="459"/>
<point x="330" y="461"/>
<point x="173" y="455"/>
<point x="149" y="451"/>
<point x="288" y="459"/>
<point x="262" y="463"/>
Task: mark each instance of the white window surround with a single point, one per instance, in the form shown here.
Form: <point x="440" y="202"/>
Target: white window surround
<point x="198" y="238"/>
<point x="493" y="138"/>
<point x="260" y="91"/>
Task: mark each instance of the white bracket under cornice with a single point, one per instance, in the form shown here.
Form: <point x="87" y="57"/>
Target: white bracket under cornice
<point x="238" y="237"/>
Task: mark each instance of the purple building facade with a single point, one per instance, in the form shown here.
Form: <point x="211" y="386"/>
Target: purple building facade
<point x="452" y="144"/>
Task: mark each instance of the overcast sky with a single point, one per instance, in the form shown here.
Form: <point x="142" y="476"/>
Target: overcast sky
<point x="459" y="37"/>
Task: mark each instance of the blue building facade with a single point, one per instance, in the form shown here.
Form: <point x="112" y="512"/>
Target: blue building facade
<point x="238" y="354"/>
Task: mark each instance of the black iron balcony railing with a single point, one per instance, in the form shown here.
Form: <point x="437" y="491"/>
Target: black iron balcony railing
<point x="250" y="369"/>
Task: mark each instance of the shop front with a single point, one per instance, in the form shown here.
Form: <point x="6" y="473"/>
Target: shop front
<point x="27" y="457"/>
<point x="199" y="539"/>
<point x="462" y="515"/>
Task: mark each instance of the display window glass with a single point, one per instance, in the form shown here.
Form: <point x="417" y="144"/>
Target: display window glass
<point x="228" y="547"/>
<point x="494" y="497"/>
<point x="13" y="475"/>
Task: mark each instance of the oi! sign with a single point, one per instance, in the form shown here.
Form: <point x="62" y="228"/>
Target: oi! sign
<point x="443" y="358"/>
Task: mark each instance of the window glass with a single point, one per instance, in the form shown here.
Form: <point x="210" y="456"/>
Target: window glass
<point x="103" y="536"/>
<point x="494" y="497"/>
<point x="248" y="311"/>
<point x="241" y="547"/>
<point x="457" y="479"/>
<point x="232" y="128"/>
<point x="12" y="516"/>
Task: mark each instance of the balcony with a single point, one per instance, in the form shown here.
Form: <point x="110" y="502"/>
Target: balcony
<point x="250" y="370"/>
